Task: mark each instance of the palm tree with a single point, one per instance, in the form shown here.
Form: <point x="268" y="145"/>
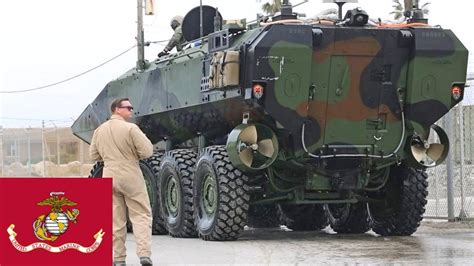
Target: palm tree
<point x="271" y="7"/>
<point x="400" y="9"/>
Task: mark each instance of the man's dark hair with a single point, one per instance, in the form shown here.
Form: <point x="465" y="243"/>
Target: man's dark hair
<point x="117" y="103"/>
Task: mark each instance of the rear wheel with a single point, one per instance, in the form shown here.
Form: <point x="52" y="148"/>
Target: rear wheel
<point x="221" y="196"/>
<point x="149" y="175"/>
<point x="303" y="217"/>
<point x="96" y="172"/>
<point x="401" y="202"/>
<point x="348" y="218"/>
<point x="97" y="169"/>
<point x="158" y="227"/>
<point x="176" y="192"/>
<point x="263" y="216"/>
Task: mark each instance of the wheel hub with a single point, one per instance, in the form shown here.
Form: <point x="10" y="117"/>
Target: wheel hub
<point x="210" y="194"/>
<point x="172" y="196"/>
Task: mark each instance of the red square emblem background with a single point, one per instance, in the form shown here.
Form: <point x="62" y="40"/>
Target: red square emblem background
<point x="19" y="198"/>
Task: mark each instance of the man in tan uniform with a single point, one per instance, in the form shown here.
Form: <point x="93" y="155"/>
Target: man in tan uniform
<point x="121" y="145"/>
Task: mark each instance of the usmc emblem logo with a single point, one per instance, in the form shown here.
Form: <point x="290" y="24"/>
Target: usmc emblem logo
<point x="49" y="227"/>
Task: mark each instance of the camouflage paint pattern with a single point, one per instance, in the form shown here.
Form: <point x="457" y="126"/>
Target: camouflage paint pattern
<point x="342" y="83"/>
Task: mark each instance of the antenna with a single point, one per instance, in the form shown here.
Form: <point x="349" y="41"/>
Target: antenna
<point x="217" y="21"/>
<point x="200" y="19"/>
<point x="340" y="3"/>
<point x="286" y="12"/>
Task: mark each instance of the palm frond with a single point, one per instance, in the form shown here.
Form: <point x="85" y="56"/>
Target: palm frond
<point x="271" y="7"/>
<point x="425" y="5"/>
<point x="399" y="7"/>
<point x="267" y="8"/>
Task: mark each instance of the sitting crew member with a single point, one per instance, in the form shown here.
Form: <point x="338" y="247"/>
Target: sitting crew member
<point x="178" y="39"/>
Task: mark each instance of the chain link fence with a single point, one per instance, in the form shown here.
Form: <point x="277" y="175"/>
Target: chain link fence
<point x="451" y="185"/>
<point x="43" y="151"/>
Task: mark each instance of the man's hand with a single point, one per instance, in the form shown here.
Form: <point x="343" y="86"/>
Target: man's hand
<point x="163" y="53"/>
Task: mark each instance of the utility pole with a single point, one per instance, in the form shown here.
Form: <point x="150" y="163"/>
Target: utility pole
<point x="58" y="159"/>
<point x="140" y="37"/>
<point x="448" y="120"/>
<point x="1" y="149"/>
<point x="42" y="148"/>
<point x="462" y="212"/>
<point x="28" y="131"/>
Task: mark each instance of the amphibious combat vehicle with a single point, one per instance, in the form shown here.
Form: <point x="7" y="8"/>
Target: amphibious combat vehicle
<point x="294" y="122"/>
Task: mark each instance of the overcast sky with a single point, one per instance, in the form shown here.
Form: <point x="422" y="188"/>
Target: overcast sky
<point x="45" y="41"/>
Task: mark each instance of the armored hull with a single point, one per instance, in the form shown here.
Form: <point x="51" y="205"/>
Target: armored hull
<point x="292" y="117"/>
<point x="335" y="80"/>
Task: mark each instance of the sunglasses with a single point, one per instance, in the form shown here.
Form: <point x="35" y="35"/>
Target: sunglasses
<point x="130" y="108"/>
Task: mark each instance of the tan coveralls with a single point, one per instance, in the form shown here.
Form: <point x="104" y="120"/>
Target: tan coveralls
<point x="120" y="145"/>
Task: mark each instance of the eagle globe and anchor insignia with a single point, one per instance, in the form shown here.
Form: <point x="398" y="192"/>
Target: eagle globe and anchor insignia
<point x="49" y="227"/>
<point x="53" y="225"/>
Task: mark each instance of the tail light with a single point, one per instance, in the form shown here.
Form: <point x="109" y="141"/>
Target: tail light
<point x="457" y="91"/>
<point x="257" y="90"/>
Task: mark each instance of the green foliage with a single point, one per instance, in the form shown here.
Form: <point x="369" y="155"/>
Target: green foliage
<point x="399" y="8"/>
<point x="271" y="7"/>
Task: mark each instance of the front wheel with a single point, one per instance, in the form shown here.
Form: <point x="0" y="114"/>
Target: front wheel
<point x="221" y="198"/>
<point x="176" y="192"/>
<point x="96" y="172"/>
<point x="401" y="202"/>
<point x="158" y="227"/>
<point x="150" y="176"/>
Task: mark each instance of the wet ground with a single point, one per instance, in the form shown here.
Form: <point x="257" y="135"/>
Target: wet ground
<point x="434" y="243"/>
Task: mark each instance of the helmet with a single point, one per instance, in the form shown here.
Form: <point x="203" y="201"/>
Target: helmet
<point x="176" y="21"/>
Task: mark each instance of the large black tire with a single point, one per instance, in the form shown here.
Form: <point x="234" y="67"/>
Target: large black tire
<point x="97" y="169"/>
<point x="150" y="176"/>
<point x="176" y="192"/>
<point x="221" y="196"/>
<point x="304" y="217"/>
<point x="96" y="172"/>
<point x="402" y="202"/>
<point x="158" y="227"/>
<point x="348" y="218"/>
<point x="263" y="216"/>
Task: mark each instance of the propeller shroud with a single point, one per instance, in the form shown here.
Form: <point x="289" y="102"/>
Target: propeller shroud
<point x="424" y="153"/>
<point x="252" y="147"/>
